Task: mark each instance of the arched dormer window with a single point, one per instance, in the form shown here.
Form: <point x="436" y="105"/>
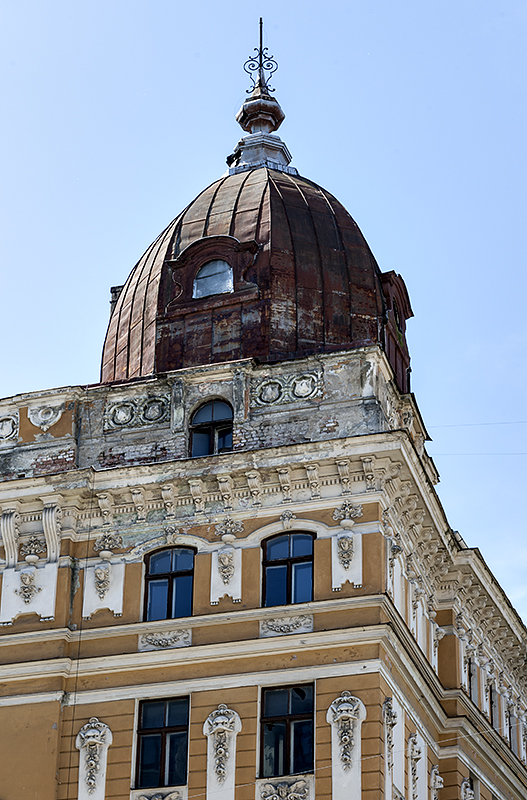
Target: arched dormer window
<point x="214" y="277"/>
<point x="169" y="583"/>
<point x="288" y="569"/>
<point x="211" y="429"/>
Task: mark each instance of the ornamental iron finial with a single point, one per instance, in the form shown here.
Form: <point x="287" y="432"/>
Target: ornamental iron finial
<point x="258" y="65"/>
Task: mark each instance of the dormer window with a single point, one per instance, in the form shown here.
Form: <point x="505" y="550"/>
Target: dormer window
<point x="214" y="277"/>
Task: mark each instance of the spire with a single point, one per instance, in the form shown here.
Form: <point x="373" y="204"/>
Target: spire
<point x="260" y="116"/>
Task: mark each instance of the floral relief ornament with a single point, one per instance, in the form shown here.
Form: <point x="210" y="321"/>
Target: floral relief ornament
<point x="390" y="721"/>
<point x="347" y="513"/>
<point x="229" y="527"/>
<point x="436" y="782"/>
<point x="467" y="792"/>
<point x="298" y="790"/>
<point x="170" y="639"/>
<point x="345" y="550"/>
<point x="226" y="565"/>
<point x="414" y="754"/>
<point x="108" y="541"/>
<point x="286" y="624"/>
<point x="159" y="796"/>
<point x="343" y="712"/>
<point x="220" y="723"/>
<point x="33" y="547"/>
<point x="91" y="738"/>
<point x="28" y="588"/>
<point x="102" y="575"/>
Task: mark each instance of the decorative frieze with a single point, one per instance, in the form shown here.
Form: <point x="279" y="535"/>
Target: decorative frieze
<point x="165" y="640"/>
<point x="347" y="513"/>
<point x="136" y="412"/>
<point x="283" y="626"/>
<point x="146" y="795"/>
<point x="221" y="728"/>
<point x="286" y="389"/>
<point x="93" y="741"/>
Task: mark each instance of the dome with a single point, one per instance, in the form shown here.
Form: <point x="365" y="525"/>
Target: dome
<point x="302" y="279"/>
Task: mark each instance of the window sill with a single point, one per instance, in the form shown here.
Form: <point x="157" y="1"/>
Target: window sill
<point x="167" y="792"/>
<point x="179" y="307"/>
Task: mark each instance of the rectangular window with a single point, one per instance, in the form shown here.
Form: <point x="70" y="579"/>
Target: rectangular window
<point x="162" y="743"/>
<point x="287" y="731"/>
<point x="288" y="569"/>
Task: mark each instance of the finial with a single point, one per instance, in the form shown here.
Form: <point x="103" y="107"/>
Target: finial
<point x="260" y="63"/>
<point x="260" y="116"/>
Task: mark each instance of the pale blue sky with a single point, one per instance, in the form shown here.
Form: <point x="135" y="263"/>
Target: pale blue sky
<point x="413" y="113"/>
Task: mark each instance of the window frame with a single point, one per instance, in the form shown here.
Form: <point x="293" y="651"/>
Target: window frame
<point x="215" y="426"/>
<point x="164" y="730"/>
<point x="201" y="267"/>
<point x="290" y="560"/>
<point x="171" y="575"/>
<point x="288" y="719"/>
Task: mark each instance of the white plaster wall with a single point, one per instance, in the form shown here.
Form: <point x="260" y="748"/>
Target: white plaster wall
<point x="43" y="602"/>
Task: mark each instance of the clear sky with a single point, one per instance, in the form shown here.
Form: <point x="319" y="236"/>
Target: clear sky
<point x="116" y="113"/>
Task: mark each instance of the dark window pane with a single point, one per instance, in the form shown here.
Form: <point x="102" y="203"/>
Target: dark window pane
<point x="301" y="545"/>
<point x="153" y="715"/>
<point x="149" y="761"/>
<point x="201" y="443"/>
<point x="302" y="588"/>
<point x="160" y="562"/>
<point x="177" y="712"/>
<point x="302" y="745"/>
<point x="276" y="702"/>
<point x="274" y="749"/>
<point x="176" y="759"/>
<point x="276" y="585"/>
<point x="157" y="599"/>
<point x="183" y="559"/>
<point x="302" y="700"/>
<point x="224" y="440"/>
<point x="221" y="411"/>
<point x="182" y="599"/>
<point x="278" y="548"/>
<point x="203" y="414"/>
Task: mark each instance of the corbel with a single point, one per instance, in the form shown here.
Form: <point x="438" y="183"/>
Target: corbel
<point x="285" y="484"/>
<point x="368" y="467"/>
<point x="10" y="529"/>
<point x="139" y="501"/>
<point x="254" y="483"/>
<point x="167" y="493"/>
<point x="106" y="506"/>
<point x="52" y="524"/>
<point x="344" y="475"/>
<point x="196" y="490"/>
<point x="225" y="484"/>
<point x="314" y="483"/>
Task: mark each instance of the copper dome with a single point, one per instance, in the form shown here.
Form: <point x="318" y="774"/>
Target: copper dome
<point x="305" y="281"/>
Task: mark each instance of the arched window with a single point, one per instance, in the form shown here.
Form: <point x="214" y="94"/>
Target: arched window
<point x="211" y="429"/>
<point x="169" y="583"/>
<point x="214" y="277"/>
<point x="288" y="569"/>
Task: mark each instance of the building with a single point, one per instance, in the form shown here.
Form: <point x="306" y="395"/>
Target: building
<point x="226" y="572"/>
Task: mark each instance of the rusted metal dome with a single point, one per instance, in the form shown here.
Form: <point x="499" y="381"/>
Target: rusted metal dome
<point x="304" y="282"/>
